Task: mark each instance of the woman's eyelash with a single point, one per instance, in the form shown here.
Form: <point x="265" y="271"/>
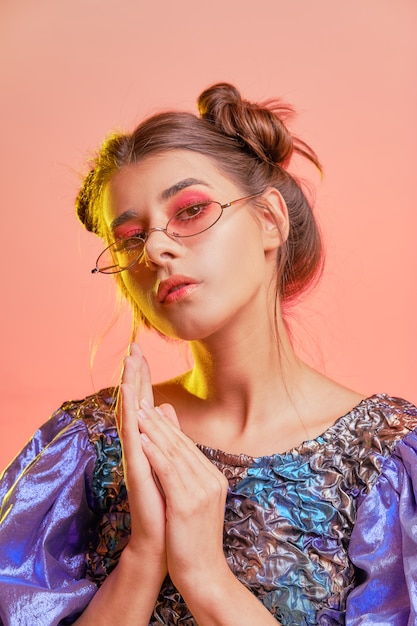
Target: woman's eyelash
<point x="189" y="205"/>
<point x="132" y="234"/>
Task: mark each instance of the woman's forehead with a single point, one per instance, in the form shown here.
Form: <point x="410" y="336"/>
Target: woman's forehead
<point x="171" y="162"/>
<point x="164" y="174"/>
<point x="158" y="178"/>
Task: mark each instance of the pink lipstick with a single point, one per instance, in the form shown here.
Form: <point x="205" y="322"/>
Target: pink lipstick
<point x="175" y="288"/>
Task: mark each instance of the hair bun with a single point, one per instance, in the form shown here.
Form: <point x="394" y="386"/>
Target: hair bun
<point x="259" y="127"/>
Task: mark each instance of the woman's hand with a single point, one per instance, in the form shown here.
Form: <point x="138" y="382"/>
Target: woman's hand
<point x="195" y="492"/>
<point x="177" y="499"/>
<point x="147" y="504"/>
<point x="129" y="593"/>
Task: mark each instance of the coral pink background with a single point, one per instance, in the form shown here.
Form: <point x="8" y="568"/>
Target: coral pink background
<point x="71" y="71"/>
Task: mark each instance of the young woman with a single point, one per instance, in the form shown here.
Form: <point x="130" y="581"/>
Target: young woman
<point x="251" y="490"/>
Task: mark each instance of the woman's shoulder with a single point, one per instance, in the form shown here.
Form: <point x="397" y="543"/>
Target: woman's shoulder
<point x="393" y="427"/>
<point x="372" y="428"/>
<point x="362" y="419"/>
<point x="85" y="421"/>
<point x="97" y="410"/>
<point x="388" y="417"/>
<point x="366" y="438"/>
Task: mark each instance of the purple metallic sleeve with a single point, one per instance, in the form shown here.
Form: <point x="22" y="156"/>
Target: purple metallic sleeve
<point x="384" y="545"/>
<point x="44" y="520"/>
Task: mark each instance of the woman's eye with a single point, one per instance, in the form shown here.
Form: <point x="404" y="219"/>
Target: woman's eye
<point x="140" y="235"/>
<point x="192" y="212"/>
<point x="131" y="242"/>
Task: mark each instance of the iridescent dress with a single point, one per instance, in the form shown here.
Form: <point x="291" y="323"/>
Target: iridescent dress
<point x="325" y="533"/>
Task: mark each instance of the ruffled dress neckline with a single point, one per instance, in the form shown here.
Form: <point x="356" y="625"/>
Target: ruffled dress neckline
<point x="306" y="447"/>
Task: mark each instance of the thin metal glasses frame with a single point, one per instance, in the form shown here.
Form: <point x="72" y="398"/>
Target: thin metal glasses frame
<point x="110" y="270"/>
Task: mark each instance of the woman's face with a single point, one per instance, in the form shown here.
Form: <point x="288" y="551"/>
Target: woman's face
<point x="189" y="288"/>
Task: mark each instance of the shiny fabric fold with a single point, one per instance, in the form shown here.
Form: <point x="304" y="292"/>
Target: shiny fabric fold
<point x="45" y="519"/>
<point x="389" y="567"/>
<point x="325" y="533"/>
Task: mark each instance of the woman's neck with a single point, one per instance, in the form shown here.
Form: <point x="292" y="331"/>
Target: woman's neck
<point x="244" y="373"/>
<point x="249" y="392"/>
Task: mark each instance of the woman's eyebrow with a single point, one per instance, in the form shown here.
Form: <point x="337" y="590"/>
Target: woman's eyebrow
<point x="123" y="218"/>
<point x="165" y="195"/>
<point x="182" y="184"/>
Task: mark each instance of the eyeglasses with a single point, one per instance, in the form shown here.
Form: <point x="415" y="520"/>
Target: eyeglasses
<point x="122" y="254"/>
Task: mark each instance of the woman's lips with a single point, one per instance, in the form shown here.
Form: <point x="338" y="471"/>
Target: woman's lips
<point x="175" y="287"/>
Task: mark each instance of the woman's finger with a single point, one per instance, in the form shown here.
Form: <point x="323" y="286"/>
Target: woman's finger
<point x="142" y="381"/>
<point x="147" y="506"/>
<point x="135" y="461"/>
<point x="169" y="411"/>
<point x="174" y="456"/>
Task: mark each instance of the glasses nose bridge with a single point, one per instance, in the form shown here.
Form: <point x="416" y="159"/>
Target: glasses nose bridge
<point x="151" y="253"/>
<point x="152" y="230"/>
<point x="158" y="229"/>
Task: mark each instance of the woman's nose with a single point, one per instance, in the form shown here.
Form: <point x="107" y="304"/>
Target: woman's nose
<point x="160" y="246"/>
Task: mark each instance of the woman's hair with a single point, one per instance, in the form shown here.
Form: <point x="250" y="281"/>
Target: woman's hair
<point x="249" y="143"/>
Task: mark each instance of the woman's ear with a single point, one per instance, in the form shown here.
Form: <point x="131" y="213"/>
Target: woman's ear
<point x="274" y="219"/>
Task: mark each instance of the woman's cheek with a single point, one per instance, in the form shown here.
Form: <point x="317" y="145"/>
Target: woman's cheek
<point x="137" y="290"/>
<point x="142" y="296"/>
